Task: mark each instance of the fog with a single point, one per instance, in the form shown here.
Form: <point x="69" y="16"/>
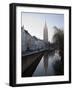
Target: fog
<point x="34" y="23"/>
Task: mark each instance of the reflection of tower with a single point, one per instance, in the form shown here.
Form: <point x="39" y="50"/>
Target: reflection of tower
<point x="46" y="63"/>
<point x="45" y="34"/>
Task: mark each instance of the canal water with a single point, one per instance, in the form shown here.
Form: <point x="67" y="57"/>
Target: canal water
<point x="49" y="64"/>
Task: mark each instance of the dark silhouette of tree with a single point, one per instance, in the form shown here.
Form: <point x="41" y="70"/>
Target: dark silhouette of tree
<point x="58" y="39"/>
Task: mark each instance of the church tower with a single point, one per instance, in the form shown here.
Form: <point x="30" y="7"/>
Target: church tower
<point x="45" y="33"/>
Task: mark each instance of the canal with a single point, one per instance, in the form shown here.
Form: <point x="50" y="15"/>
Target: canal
<point x="42" y="64"/>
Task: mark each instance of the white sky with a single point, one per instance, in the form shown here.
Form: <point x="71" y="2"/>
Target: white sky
<point x="34" y="23"/>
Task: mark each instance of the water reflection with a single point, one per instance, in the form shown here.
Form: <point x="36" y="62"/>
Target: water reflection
<point x="45" y="67"/>
<point x="43" y="64"/>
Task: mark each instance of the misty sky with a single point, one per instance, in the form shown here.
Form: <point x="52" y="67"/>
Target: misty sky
<point x="34" y="23"/>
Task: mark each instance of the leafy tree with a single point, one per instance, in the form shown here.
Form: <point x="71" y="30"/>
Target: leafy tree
<point x="58" y="39"/>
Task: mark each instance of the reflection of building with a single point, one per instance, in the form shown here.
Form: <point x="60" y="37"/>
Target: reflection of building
<point x="45" y="34"/>
<point x="46" y="63"/>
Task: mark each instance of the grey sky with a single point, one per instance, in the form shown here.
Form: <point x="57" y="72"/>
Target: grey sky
<point x="34" y="23"/>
